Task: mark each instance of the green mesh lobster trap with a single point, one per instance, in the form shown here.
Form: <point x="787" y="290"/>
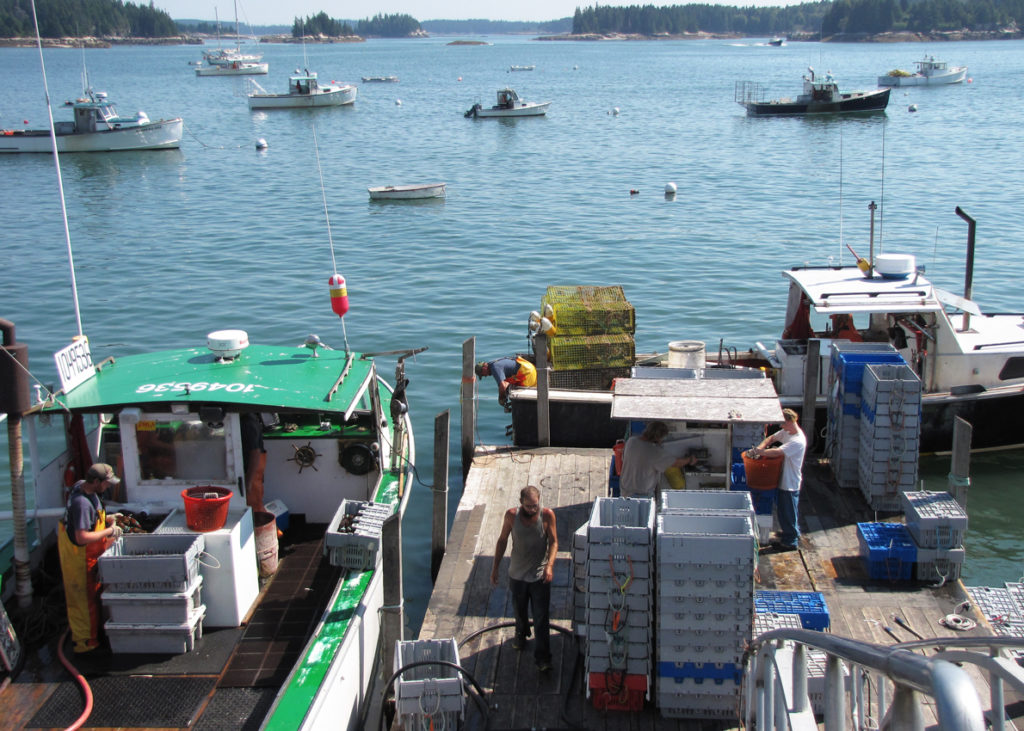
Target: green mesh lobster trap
<point x="584" y="310"/>
<point x="572" y="352"/>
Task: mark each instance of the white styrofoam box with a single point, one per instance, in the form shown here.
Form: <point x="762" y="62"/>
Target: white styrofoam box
<point x="604" y="584"/>
<point x="171" y="639"/>
<point x="717" y="537"/>
<point x="151" y="562"/>
<point x="428" y="688"/>
<point x="701" y="500"/>
<point x="621" y="520"/>
<point x="935" y="564"/>
<point x="153" y="608"/>
<point x="632" y="666"/>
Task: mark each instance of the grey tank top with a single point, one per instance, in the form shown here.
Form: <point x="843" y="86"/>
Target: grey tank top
<point x="529" y="549"/>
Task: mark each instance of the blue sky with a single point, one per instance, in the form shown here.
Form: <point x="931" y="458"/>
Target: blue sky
<point x="268" y="12"/>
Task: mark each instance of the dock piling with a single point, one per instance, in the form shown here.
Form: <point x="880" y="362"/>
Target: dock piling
<point x="467" y="399"/>
<point x="439" y="524"/>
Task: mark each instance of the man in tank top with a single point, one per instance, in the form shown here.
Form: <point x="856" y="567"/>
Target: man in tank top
<point x="534" y="546"/>
<point x="793" y="446"/>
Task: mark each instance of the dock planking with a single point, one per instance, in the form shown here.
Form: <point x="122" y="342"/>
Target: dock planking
<point x="464" y="603"/>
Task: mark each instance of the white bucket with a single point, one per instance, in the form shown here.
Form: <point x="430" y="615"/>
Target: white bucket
<point x="686" y="354"/>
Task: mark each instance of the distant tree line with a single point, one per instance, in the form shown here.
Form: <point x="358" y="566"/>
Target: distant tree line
<point x="379" y="26"/>
<point x="922" y="16"/>
<point x="827" y="18"/>
<point x="60" y="18"/>
<point x="482" y="26"/>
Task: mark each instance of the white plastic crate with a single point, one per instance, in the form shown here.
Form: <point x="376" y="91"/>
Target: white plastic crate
<point x="352" y="540"/>
<point x="732" y="620"/>
<point x="698" y="501"/>
<point x="934" y="519"/>
<point x="601" y="602"/>
<point x="623" y="568"/>
<point x="768" y="621"/>
<point x="672" y="584"/>
<point x="428" y="689"/>
<point x="688" y="699"/>
<point x="621" y="520"/>
<point x="633" y="665"/>
<point x="153" y="608"/>
<point x="718" y="537"/>
<point x="939" y="564"/>
<point x="637" y="628"/>
<point x="151" y="562"/>
<point x="604" y="584"/>
<point x="636" y="552"/>
<point x="170" y="639"/>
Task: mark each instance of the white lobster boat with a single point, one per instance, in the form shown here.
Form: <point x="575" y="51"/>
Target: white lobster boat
<point x="929" y="73"/>
<point x="407" y="192"/>
<point x="304" y="91"/>
<point x="509" y="105"/>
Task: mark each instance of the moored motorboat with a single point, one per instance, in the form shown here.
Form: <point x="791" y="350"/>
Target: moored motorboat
<point x="776" y="41"/>
<point x="304" y="91"/>
<point x="509" y="105"/>
<point x="522" y="68"/>
<point x="820" y="95"/>
<point x="407" y="192"/>
<point x="96" y="127"/>
<point x="380" y="79"/>
<point x="235" y="68"/>
<point x="929" y="72"/>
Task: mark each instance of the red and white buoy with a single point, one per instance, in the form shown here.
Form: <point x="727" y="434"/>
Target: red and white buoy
<point x="339" y="294"/>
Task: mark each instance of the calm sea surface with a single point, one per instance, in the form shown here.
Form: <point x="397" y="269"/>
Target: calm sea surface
<point x="171" y="245"/>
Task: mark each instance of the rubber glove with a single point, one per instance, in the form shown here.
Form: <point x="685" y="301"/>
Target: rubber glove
<point x="116" y="532"/>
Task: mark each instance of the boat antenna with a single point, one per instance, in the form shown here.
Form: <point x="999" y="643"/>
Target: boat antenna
<point x="327" y="215"/>
<point x="60" y="180"/>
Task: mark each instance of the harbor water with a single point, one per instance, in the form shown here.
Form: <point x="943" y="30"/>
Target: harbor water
<point x="169" y="246"/>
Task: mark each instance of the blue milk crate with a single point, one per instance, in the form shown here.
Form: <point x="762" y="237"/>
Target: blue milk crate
<point x="888" y="549"/>
<point x="809" y="605"/>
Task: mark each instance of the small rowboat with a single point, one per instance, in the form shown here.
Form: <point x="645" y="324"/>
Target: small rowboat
<point x="407" y="192"/>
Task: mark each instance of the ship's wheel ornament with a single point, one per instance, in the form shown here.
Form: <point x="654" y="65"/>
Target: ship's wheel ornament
<point x="305" y="457"/>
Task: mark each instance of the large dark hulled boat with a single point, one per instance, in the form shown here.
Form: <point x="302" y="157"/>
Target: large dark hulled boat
<point x="821" y="95"/>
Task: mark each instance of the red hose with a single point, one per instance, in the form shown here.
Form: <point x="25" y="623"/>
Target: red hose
<point x="86" y="690"/>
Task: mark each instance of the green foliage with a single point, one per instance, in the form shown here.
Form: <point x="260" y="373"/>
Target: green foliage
<point x="59" y="18"/>
<point x="388" y="26"/>
<point x="830" y="18"/>
<point x="320" y="24"/>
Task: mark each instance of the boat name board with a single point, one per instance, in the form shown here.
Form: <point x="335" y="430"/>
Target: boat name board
<point x="198" y="386"/>
<point x="74" y="363"/>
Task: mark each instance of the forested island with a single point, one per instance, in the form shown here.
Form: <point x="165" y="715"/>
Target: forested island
<point x="836" y="20"/>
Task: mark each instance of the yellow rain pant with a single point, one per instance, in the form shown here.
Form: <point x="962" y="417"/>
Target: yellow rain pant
<point x="81" y="585"/>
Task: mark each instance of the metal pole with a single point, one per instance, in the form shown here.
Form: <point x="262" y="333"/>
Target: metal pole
<point x="392" y="619"/>
<point x="439" y="525"/>
<point x="22" y="565"/>
<point x="540" y="349"/>
<point x="835" y="695"/>
<point x="906" y="711"/>
<point x="769" y="691"/>
<point x="960" y="462"/>
<point x="467" y="399"/>
<point x="871" y="245"/>
<point x="969" y="274"/>
<point x="799" y="678"/>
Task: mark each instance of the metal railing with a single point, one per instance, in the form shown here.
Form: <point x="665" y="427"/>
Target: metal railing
<point x="782" y="702"/>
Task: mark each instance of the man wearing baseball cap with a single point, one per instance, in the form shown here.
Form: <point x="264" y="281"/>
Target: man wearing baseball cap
<point x="83" y="534"/>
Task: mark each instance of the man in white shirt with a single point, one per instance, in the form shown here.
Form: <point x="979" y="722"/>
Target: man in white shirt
<point x="793" y="447"/>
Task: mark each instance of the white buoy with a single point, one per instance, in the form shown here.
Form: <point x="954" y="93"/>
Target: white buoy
<point x="261" y="144"/>
<point x="912" y="108"/>
<point x="575" y="67"/>
<point x="398" y="102"/>
<point x="670" y="188"/>
<point x="615" y="111"/>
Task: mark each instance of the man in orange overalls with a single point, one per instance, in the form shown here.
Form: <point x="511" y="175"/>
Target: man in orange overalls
<point x="83" y="534"/>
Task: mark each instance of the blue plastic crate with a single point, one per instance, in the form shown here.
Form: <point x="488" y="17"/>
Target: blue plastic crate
<point x="738" y="473"/>
<point x="881" y="541"/>
<point x="809" y="605"/>
<point x="700" y="671"/>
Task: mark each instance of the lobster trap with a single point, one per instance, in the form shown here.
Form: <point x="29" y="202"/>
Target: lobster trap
<point x="589" y="310"/>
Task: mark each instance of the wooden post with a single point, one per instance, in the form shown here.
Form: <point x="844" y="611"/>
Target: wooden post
<point x="392" y="619"/>
<point x="810" y="405"/>
<point x="540" y="350"/>
<point x="960" y="462"/>
<point x="467" y="397"/>
<point x="439" y="525"/>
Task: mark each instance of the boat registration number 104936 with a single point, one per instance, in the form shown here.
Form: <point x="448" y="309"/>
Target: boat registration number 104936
<point x="200" y="386"/>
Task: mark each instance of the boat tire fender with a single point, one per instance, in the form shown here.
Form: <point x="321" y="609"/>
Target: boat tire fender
<point x="358" y="458"/>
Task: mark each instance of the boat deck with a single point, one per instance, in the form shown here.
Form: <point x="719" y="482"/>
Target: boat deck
<point x="229" y="680"/>
<point x="464" y="603"/>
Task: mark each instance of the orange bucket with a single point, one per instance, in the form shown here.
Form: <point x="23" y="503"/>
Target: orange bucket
<point x="763" y="473"/>
<point x="206" y="507"/>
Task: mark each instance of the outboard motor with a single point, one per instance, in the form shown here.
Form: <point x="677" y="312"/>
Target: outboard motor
<point x="472" y="110"/>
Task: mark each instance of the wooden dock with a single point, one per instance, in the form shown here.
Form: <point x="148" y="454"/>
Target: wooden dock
<point x="464" y="603"/>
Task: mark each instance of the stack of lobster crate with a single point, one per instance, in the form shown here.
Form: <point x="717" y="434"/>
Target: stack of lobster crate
<point x="592" y="341"/>
<point x="890" y="433"/>
<point x="937" y="523"/>
<point x="614" y="564"/>
<point x="706" y="548"/>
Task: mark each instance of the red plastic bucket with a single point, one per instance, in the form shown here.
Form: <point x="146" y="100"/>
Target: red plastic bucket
<point x="763" y="473"/>
<point x="206" y="507"/>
